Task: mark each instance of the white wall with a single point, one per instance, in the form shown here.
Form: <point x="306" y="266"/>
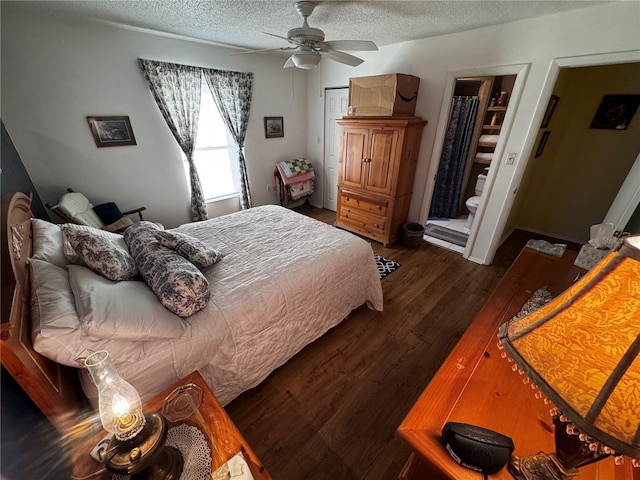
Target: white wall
<point x="57" y="71"/>
<point x="612" y="27"/>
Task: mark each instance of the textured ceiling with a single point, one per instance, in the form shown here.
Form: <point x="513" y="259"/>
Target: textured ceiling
<point x="240" y="23"/>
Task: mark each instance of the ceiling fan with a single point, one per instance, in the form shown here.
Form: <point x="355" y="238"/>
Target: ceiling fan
<point x="310" y="45"/>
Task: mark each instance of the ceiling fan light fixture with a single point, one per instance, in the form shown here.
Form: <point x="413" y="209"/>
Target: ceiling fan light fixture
<point x="306" y="60"/>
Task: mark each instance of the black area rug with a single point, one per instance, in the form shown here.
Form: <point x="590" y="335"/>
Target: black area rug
<point x="385" y="266"/>
<point x="446" y="234"/>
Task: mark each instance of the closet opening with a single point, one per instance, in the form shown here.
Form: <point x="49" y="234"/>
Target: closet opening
<point x="477" y="111"/>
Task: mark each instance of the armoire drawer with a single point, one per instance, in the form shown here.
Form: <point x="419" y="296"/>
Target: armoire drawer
<point x="363" y="204"/>
<point x="362" y="220"/>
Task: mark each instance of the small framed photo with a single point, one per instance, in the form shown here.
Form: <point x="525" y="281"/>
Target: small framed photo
<point x="273" y="127"/>
<point x="615" y="112"/>
<point x="553" y="103"/>
<point x="543" y="141"/>
<point x="111" y="131"/>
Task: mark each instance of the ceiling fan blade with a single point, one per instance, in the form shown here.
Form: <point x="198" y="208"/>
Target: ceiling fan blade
<point x="289" y="63"/>
<point x="342" y="57"/>
<point x="351" y="45"/>
<point x="290" y="40"/>
<point x="246" y="52"/>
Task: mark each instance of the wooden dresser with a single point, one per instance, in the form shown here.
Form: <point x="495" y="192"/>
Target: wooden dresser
<point x="475" y="385"/>
<point x="378" y="157"/>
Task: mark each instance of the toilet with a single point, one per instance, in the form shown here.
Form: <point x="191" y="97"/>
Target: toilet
<point x="473" y="202"/>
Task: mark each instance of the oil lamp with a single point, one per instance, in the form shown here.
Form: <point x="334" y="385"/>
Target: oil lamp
<point x="138" y="444"/>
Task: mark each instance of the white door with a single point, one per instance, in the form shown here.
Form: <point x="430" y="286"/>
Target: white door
<point x="627" y="199"/>
<point x="335" y="106"/>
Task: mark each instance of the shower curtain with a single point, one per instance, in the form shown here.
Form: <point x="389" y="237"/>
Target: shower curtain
<point x="446" y="195"/>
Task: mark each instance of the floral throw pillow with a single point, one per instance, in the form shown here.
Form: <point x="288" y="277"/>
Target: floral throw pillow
<point x="197" y="252"/>
<point x="102" y="255"/>
<point x="177" y="283"/>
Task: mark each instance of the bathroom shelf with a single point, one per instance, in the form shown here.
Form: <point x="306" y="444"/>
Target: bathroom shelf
<point x="487" y="128"/>
<point x="481" y="161"/>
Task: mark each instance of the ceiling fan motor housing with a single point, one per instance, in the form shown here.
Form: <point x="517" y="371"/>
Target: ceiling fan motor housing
<point x="306" y="35"/>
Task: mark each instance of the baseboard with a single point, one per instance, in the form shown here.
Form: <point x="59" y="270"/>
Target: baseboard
<point x="504" y="237"/>
<point x="548" y="234"/>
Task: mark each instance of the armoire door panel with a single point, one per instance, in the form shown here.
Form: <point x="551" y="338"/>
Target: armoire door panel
<point x="379" y="171"/>
<point x="354" y="144"/>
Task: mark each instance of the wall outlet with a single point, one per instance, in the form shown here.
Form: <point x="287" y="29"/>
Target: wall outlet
<point x="270" y="188"/>
<point x="511" y="158"/>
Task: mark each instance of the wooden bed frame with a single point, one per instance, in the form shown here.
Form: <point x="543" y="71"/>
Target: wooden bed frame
<point x="52" y="387"/>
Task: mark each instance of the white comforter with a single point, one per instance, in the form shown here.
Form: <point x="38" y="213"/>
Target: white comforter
<point x="284" y="281"/>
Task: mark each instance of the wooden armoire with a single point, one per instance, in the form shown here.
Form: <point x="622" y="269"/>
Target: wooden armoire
<point x="378" y="157"/>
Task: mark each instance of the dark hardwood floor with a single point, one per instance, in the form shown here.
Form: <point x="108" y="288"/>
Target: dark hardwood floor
<point x="331" y="412"/>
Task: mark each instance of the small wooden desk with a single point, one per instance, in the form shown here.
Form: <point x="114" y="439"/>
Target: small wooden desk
<point x="224" y="438"/>
<point x="475" y="385"/>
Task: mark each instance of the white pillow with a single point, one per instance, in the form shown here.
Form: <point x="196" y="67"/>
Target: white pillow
<point x="54" y="320"/>
<point x="48" y="243"/>
<point x="124" y="310"/>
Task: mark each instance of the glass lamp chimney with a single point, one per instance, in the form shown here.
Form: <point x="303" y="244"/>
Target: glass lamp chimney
<point x="120" y="405"/>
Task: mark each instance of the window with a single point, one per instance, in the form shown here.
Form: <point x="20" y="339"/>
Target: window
<point x="215" y="152"/>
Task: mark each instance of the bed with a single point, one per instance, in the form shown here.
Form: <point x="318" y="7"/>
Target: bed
<point x="284" y="279"/>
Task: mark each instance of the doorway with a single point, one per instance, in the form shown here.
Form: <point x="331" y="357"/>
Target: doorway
<point x="478" y="108"/>
<point x="576" y="173"/>
<point x="499" y="208"/>
<point x="336" y="102"/>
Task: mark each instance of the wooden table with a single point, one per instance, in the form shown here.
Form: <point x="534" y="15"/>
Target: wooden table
<point x="475" y="385"/>
<point x="222" y="435"/>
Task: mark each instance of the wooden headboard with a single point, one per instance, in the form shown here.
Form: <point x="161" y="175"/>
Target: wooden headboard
<point x="51" y="386"/>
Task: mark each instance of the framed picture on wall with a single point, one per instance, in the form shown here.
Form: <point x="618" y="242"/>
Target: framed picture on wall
<point x="615" y="112"/>
<point x="553" y="103"/>
<point x="273" y="127"/>
<point x="111" y="131"/>
<point x="543" y="141"/>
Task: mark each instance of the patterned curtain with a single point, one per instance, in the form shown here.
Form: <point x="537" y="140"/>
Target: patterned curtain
<point x="176" y="90"/>
<point x="446" y="195"/>
<point x="232" y="94"/>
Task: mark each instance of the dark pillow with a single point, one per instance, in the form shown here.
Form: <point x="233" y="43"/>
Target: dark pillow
<point x="197" y="252"/>
<point x="101" y="254"/>
<point x="108" y="213"/>
<point x="142" y="227"/>
<point x="177" y="283"/>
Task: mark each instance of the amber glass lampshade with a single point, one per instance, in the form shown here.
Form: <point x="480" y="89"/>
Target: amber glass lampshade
<point x="581" y="351"/>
